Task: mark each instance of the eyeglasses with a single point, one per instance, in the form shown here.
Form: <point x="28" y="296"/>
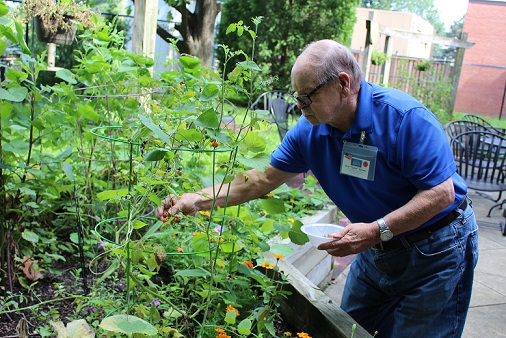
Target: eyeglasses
<point x="306" y="98"/>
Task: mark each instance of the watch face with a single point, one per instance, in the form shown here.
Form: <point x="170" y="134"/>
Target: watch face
<point x="386" y="235"/>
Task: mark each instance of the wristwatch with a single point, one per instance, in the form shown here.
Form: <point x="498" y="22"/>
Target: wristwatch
<point x="385" y="233"/>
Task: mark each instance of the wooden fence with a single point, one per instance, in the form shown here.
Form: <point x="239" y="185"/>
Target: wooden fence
<point x="405" y="75"/>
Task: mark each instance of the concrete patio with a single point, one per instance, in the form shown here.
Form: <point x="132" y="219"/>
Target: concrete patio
<point x="487" y="313"/>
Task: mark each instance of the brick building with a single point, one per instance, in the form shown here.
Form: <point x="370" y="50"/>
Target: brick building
<point x="482" y="83"/>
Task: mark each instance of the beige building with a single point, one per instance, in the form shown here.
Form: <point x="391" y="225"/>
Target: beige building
<point x="403" y="21"/>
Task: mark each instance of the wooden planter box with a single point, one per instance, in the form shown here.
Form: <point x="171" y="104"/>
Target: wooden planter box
<point x="308" y="308"/>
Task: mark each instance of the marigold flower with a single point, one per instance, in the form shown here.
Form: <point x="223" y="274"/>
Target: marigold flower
<point x="223" y="335"/>
<point x="248" y="264"/>
<point x="231" y="308"/>
<point x="278" y="256"/>
<point x="267" y="265"/>
<point x="205" y="213"/>
<point x="219" y="330"/>
<point x="179" y="250"/>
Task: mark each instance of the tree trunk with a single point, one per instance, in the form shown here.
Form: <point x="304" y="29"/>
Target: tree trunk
<point x="197" y="30"/>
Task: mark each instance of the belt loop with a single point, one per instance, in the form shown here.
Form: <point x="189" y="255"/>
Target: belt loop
<point x="405" y="243"/>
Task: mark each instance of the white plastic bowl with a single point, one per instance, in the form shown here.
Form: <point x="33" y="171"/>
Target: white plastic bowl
<point x="318" y="232"/>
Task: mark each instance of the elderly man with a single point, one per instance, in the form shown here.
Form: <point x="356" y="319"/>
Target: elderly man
<point x="384" y="160"/>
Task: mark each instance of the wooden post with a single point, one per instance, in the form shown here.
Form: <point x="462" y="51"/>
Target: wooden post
<point x="369" y="24"/>
<point x="385" y="73"/>
<point x="144" y="31"/>
<point x="459" y="59"/>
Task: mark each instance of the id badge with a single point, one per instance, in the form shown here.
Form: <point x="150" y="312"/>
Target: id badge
<point x="359" y="160"/>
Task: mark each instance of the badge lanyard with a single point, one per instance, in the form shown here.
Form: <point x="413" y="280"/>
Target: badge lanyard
<point x="358" y="159"/>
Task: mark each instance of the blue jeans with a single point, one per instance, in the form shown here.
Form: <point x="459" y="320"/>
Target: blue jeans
<point x="423" y="291"/>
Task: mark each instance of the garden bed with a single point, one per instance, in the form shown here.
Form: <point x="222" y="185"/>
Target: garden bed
<point x="308" y="308"/>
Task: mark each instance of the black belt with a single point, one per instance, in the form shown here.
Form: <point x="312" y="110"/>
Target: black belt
<point x="408" y="240"/>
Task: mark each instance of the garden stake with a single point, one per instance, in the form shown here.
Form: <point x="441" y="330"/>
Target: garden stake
<point x="80" y="236"/>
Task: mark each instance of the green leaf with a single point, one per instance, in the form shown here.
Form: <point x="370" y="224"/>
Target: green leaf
<point x="155" y="155"/>
<point x="254" y="143"/>
<point x="273" y="205"/>
<point x="3" y="44"/>
<point x="189" y="61"/>
<point x="74" y="237"/>
<point x="208" y="119"/>
<point x="128" y="324"/>
<point x="138" y="224"/>
<point x="244" y="327"/>
<point x="66" y="75"/>
<point x="189" y="135"/>
<point x="3" y="9"/>
<point x="210" y="92"/>
<point x="296" y="235"/>
<point x="30" y="236"/>
<point x="67" y="169"/>
<point x="259" y="161"/>
<point x="88" y="113"/>
<point x="230" y="247"/>
<point x="230" y="317"/>
<point x="148" y="122"/>
<point x="249" y="65"/>
<point x="282" y="249"/>
<point x="109" y="194"/>
<point x="15" y="94"/>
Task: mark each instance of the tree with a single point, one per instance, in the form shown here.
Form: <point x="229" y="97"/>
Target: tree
<point x="441" y="52"/>
<point x="287" y="26"/>
<point x="196" y="27"/>
<point x="423" y="8"/>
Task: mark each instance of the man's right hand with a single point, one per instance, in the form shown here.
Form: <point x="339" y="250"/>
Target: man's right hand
<point x="172" y="206"/>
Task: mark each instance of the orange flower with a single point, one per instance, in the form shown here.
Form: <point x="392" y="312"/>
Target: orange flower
<point x="221" y="333"/>
<point x="231" y="308"/>
<point x="278" y="256"/>
<point x="248" y="264"/>
<point x="288" y="334"/>
<point x="267" y="265"/>
<point x="270" y="195"/>
<point x="303" y="335"/>
<point x="196" y="233"/>
<point x="205" y="213"/>
<point x="179" y="250"/>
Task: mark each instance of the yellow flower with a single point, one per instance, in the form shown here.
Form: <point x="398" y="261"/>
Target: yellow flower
<point x="288" y="334"/>
<point x="291" y="220"/>
<point x="267" y="265"/>
<point x="179" y="250"/>
<point x="278" y="256"/>
<point x="231" y="308"/>
<point x="196" y="233"/>
<point x="270" y="195"/>
<point x="205" y="213"/>
<point x="248" y="264"/>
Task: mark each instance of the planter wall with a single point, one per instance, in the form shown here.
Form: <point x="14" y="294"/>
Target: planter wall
<point x="308" y="308"/>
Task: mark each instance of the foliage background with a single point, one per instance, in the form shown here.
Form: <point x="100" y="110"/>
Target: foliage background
<point x="287" y="26"/>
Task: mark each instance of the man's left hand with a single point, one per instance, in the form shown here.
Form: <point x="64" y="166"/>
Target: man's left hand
<point x="354" y="238"/>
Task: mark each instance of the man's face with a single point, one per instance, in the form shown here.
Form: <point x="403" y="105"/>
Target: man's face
<point x="319" y="102"/>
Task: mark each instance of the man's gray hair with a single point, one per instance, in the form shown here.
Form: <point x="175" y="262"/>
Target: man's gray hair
<point x="330" y="58"/>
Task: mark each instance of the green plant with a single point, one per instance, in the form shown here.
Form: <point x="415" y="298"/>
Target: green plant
<point x="378" y="58"/>
<point x="422" y="65"/>
<point x="59" y="15"/>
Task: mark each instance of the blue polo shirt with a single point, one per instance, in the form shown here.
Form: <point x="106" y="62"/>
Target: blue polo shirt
<point x="413" y="154"/>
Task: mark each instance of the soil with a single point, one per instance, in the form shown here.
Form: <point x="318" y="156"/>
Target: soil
<point x="45" y="289"/>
